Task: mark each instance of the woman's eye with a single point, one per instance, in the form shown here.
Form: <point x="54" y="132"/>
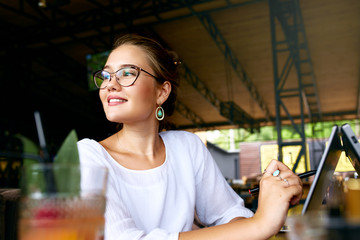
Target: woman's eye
<point x="128" y="73"/>
<point x="105" y="75"/>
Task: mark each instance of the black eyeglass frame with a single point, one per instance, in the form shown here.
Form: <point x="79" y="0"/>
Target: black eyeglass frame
<point x="139" y="69"/>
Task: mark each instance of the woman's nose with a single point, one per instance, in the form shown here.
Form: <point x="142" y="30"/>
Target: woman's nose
<point x="113" y="84"/>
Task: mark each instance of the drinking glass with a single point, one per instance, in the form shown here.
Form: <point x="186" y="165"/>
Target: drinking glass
<point x="352" y="188"/>
<point x="308" y="227"/>
<point x="62" y="201"/>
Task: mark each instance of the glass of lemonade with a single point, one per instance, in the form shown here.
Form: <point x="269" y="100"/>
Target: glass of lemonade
<point x="62" y="201"/>
<point x="352" y="206"/>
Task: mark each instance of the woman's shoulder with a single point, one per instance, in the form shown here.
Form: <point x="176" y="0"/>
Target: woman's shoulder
<point x="89" y="146"/>
<point x="91" y="151"/>
<point x="178" y="134"/>
<point x="88" y="143"/>
<point x="182" y="139"/>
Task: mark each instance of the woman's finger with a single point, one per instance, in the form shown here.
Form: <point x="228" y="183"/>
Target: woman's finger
<point x="276" y="165"/>
<point x="279" y="174"/>
<point x="297" y="192"/>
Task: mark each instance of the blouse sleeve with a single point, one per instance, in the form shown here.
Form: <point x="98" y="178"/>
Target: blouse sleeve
<point x="118" y="223"/>
<point x="216" y="202"/>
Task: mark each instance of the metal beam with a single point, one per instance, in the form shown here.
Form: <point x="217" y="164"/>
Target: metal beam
<point x="200" y="86"/>
<point x="287" y="15"/>
<point x="325" y="116"/>
<point x="230" y="56"/>
<point x="206" y="126"/>
<point x="229" y="110"/>
<point x="237" y="116"/>
<point x="188" y="114"/>
<point x="289" y="18"/>
<point x="114" y="14"/>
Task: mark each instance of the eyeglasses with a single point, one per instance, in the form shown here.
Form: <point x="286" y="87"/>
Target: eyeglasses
<point x="125" y="76"/>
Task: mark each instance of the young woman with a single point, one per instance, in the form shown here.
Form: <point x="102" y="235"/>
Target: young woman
<point x="159" y="179"/>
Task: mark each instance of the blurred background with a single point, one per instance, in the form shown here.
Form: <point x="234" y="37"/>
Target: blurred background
<point x="260" y="79"/>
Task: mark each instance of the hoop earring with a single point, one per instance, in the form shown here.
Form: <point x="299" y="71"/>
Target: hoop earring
<point x="159" y="113"/>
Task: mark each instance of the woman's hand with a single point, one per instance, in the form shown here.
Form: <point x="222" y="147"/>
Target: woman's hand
<point x="276" y="194"/>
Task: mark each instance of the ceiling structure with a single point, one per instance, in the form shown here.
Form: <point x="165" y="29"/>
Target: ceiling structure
<point x="228" y="51"/>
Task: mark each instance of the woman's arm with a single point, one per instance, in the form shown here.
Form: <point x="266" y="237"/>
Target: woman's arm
<point x="241" y="229"/>
<point x="275" y="197"/>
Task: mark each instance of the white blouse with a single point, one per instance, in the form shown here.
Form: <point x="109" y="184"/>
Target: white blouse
<point x="159" y="203"/>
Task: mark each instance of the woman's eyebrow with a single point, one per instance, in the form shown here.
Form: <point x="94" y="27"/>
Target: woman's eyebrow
<point x="128" y="65"/>
<point x="120" y="66"/>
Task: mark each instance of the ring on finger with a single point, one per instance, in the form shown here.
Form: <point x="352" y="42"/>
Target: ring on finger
<point x="285" y="180"/>
<point x="276" y="173"/>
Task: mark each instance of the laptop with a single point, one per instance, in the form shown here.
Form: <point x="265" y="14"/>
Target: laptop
<point x="351" y="146"/>
<point x="341" y="139"/>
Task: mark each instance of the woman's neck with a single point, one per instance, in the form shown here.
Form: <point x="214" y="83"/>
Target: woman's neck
<point x="144" y="142"/>
<point x="136" y="148"/>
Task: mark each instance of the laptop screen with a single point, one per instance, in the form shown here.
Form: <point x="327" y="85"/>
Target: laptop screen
<point x="351" y="146"/>
<point x="324" y="172"/>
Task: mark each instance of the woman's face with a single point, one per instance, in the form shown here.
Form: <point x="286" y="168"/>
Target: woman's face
<point x="136" y="103"/>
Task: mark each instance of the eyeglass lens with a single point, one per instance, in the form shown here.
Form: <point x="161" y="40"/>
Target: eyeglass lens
<point x="124" y="76"/>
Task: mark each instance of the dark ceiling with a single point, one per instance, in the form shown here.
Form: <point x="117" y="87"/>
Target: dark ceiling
<point x="226" y="48"/>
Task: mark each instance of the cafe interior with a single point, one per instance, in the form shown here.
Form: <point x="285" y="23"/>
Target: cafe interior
<point x="245" y="64"/>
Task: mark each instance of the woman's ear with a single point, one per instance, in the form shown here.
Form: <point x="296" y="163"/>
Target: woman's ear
<point x="164" y="92"/>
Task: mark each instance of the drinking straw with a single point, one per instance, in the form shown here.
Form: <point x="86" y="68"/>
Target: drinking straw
<point x="49" y="174"/>
<point x="42" y="141"/>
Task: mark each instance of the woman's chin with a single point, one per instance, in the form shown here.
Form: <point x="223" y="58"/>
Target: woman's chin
<point x="114" y="118"/>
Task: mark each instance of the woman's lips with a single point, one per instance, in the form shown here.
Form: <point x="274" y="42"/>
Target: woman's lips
<point x="116" y="100"/>
<point x="112" y="100"/>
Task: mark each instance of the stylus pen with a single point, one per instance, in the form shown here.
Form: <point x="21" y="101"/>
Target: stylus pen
<point x="301" y="175"/>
